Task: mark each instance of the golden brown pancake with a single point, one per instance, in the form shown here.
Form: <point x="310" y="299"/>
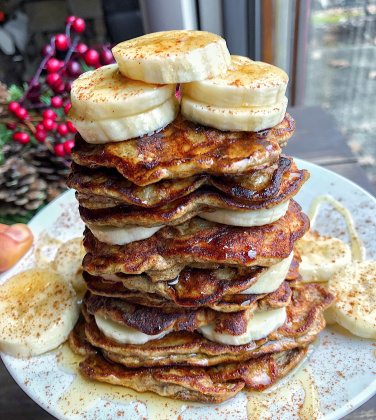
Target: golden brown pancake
<point x="183" y="209"/>
<point x="171" y="273"/>
<point x="100" y="188"/>
<point x="77" y="339"/>
<point x="183" y="149"/>
<point x="304" y="322"/>
<point x="214" y="384"/>
<point x="227" y="303"/>
<point x="199" y="241"/>
<point x="192" y="288"/>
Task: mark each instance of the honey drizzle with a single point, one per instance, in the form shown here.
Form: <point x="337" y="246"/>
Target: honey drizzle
<point x="83" y="394"/>
<point x="286" y="399"/>
<point x="358" y="251"/>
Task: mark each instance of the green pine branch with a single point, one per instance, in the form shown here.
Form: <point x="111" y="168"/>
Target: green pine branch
<point x="16" y="92"/>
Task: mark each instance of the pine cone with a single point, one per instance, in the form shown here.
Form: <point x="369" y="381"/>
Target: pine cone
<point x="11" y="150"/>
<point x="4" y="94"/>
<point x="20" y="188"/>
<point x="50" y="167"/>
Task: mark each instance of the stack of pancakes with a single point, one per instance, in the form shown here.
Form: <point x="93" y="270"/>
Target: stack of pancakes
<point x="192" y="276"/>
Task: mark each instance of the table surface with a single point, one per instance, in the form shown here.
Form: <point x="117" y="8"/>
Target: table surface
<point x="316" y="140"/>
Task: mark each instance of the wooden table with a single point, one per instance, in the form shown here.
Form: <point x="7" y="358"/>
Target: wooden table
<point x="317" y="140"/>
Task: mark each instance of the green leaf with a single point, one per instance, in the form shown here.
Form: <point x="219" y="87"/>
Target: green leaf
<point x="10" y="219"/>
<point x="16" y="93"/>
<point x="5" y="137"/>
<point x="85" y="67"/>
<point x="60" y="112"/>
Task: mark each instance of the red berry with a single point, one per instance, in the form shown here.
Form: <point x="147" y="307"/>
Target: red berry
<point x="62" y="129"/>
<point x="52" y="78"/>
<point x="67" y="108"/>
<point x="71" y="127"/>
<point x="41" y="135"/>
<point x="48" y="124"/>
<point x="13" y="107"/>
<point x="11" y="126"/>
<point x="81" y="48"/>
<point x="53" y="65"/>
<point x="23" y="138"/>
<point x="56" y="102"/>
<point x="73" y="69"/>
<point x="34" y="92"/>
<point x="58" y="86"/>
<point x="40" y="127"/>
<point x="59" y="150"/>
<point x="47" y="50"/>
<point x="68" y="86"/>
<point x="78" y="25"/>
<point x="62" y="42"/>
<point x="21" y="113"/>
<point x="106" y="57"/>
<point x="16" y="136"/>
<point x="70" y="19"/>
<point x="68" y="145"/>
<point x="48" y="114"/>
<point x="91" y="57"/>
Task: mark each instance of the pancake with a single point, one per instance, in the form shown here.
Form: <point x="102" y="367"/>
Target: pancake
<point x="155" y="320"/>
<point x="193" y="204"/>
<point x="304" y="321"/>
<point x="77" y="339"/>
<point x="101" y="188"/>
<point x="183" y="149"/>
<point x="192" y="288"/>
<point x="199" y="241"/>
<point x="214" y="384"/>
<point x="215" y="296"/>
<point x="169" y="274"/>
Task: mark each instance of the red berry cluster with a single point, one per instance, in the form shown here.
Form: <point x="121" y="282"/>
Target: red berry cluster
<point x="51" y="124"/>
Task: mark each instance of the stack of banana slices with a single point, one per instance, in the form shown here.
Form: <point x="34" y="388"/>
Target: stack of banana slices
<point x="192" y="276"/>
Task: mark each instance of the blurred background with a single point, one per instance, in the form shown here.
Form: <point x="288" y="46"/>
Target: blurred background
<point x="326" y="46"/>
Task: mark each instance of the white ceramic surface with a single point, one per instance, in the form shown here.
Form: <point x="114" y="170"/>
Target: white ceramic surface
<point x="344" y="366"/>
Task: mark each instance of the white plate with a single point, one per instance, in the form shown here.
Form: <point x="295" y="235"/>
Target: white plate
<point x="344" y="366"/>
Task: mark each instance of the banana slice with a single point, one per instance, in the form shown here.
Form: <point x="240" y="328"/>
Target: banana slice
<point x="246" y="83"/>
<point x="247" y="218"/>
<point x="68" y="263"/>
<point x="354" y="306"/>
<point x="106" y="93"/>
<point x="234" y="119"/>
<point x="322" y="256"/>
<point x="173" y="56"/>
<point x="259" y="326"/>
<point x="124" y="128"/>
<point x="123" y="334"/>
<point x="38" y="310"/>
<point x="272" y="278"/>
<point x="120" y="236"/>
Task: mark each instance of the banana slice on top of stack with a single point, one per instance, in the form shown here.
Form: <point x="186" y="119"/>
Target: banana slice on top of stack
<point x="136" y="96"/>
<point x="107" y="106"/>
<point x="250" y="96"/>
<point x="173" y="56"/>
